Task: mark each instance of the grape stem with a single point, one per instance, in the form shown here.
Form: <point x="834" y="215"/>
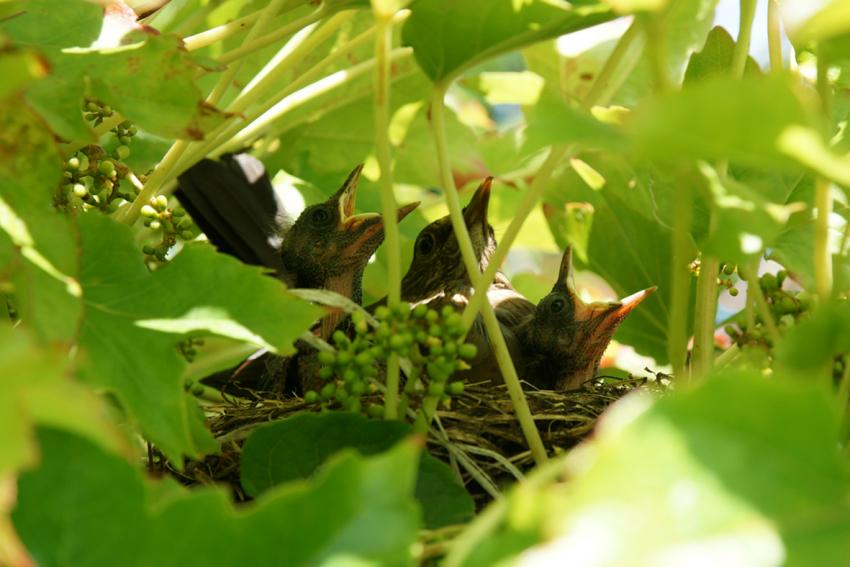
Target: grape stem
<point x="823" y="193"/>
<point x="774" y="36"/>
<point x="260" y="26"/>
<point x="491" y="324"/>
<point x="383" y="45"/>
<point x="222" y="32"/>
<point x="71" y="148"/>
<point x="706" y="305"/>
<point x="754" y="290"/>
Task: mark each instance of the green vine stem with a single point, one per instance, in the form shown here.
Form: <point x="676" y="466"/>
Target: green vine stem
<point x="707" y="288"/>
<point x="259" y="27"/>
<point x="705" y="316"/>
<point x="529" y="201"/>
<point x="273" y="37"/>
<point x="383" y="153"/>
<point x="774" y="35"/>
<point x="71" y="147"/>
<point x="823" y="193"/>
<point x="491" y="324"/>
<point x="620" y="63"/>
<point x="681" y="281"/>
<point x="754" y="291"/>
<point x="745" y="32"/>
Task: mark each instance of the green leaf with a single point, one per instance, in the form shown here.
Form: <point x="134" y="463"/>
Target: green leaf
<point x="83" y="507"/>
<point x="745" y="223"/>
<point x="54" y="24"/>
<point x="297" y="447"/>
<point x="704" y="122"/>
<point x="124" y="301"/>
<point x="812" y="345"/>
<point x="629" y="241"/>
<point x="45" y="273"/>
<point x="715" y="58"/>
<point x="449" y="36"/>
<point x="715" y="490"/>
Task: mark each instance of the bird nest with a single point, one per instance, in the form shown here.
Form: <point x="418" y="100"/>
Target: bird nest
<point x="479" y="435"/>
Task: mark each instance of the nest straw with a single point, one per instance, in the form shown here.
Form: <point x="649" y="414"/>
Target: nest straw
<point x="479" y="429"/>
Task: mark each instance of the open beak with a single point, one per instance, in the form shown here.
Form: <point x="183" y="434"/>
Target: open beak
<point x="476" y="210"/>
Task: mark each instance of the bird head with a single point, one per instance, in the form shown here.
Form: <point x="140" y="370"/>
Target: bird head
<point x="572" y="335"/>
<point x="329" y="246"/>
<point x="437" y="261"/>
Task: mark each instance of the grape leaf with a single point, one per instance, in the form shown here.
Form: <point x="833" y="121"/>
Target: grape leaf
<point x="297" y="447"/>
<point x="45" y="273"/>
<point x="449" y="36"/>
<point x="46" y="24"/>
<point x="200" y="291"/>
<point x="704" y="122"/>
<point x="629" y="243"/>
<point x="716" y="490"/>
<point x="83" y="506"/>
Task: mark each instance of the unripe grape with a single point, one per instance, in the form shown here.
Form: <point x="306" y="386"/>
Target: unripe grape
<point x="122" y="152"/>
<point x="768" y="282"/>
<point x="447" y="311"/>
<point x="450" y="348"/>
<point x="352" y="405"/>
<point x="80" y="190"/>
<point x="178" y="212"/>
<point x="382" y="312"/>
<point x="401" y="310"/>
<point x="155" y="225"/>
<point x="328" y="390"/>
<point x="73" y="162"/>
<point x="311" y="396"/>
<point x="436" y="389"/>
<point x="358" y="389"/>
<point x="161" y="202"/>
<point x="364" y="359"/>
<point x="148" y="211"/>
<point x="375" y="411"/>
<point x="435" y="330"/>
<point x="326" y="373"/>
<point x="149" y="250"/>
<point x="431" y="316"/>
<point x="467" y="351"/>
<point x="436" y="372"/>
<point x="421" y="337"/>
<point x="186" y="234"/>
<point x="396" y="342"/>
<point x="350" y="376"/>
<point x="132" y="130"/>
<point x="340" y="339"/>
<point x="326" y="357"/>
<point x="787" y="305"/>
<point x="107" y="168"/>
<point x="124" y="140"/>
<point x="729" y="269"/>
<point x="92" y="106"/>
<point x="780" y="277"/>
<point x="454" y="388"/>
<point x="733" y="291"/>
<point x="453" y="320"/>
<point x="343" y="359"/>
<point x="106" y="109"/>
<point x="420" y="310"/>
<point x="340" y="395"/>
<point x="369" y="372"/>
<point x="437" y="349"/>
<point x="378" y="352"/>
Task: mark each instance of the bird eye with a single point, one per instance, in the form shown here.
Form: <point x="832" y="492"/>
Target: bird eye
<point x="557" y="305"/>
<point x="425" y="244"/>
<point x="320" y="216"/>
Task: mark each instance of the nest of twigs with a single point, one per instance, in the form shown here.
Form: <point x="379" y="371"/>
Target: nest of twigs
<point x="479" y="435"/>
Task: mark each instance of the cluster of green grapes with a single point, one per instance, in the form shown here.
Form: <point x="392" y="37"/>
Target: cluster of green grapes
<point x="786" y="308"/>
<point x="431" y="340"/>
<point x="92" y="175"/>
<point x="726" y="279"/>
<point x="171" y="222"/>
<point x="189" y="348"/>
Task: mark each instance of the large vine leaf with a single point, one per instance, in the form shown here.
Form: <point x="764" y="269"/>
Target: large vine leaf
<point x="703" y="122"/>
<point x="37" y="388"/>
<point x="44" y="265"/>
<point x="297" y="447"/>
<point x="449" y="36"/>
<point x="83" y="506"/>
<point x="629" y="241"/>
<point x="128" y="312"/>
<point x="150" y="81"/>
<point x="715" y="490"/>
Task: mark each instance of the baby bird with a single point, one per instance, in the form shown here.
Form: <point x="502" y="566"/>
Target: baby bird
<point x="561" y="345"/>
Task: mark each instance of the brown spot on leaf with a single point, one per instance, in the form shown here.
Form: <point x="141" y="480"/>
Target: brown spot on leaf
<point x="586" y="76"/>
